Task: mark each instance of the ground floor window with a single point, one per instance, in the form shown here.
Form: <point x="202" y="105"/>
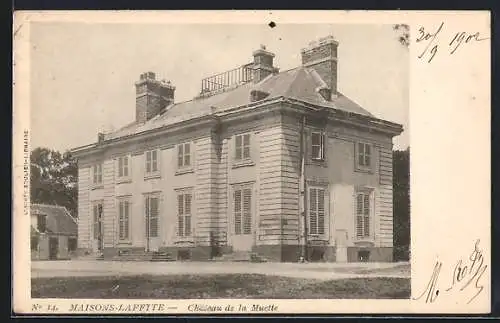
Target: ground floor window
<point x="152" y="203"/>
<point x="184" y="209"/>
<point x="242" y="201"/>
<point x="363" y="210"/>
<point x="317" y="212"/>
<point x="123" y="219"/>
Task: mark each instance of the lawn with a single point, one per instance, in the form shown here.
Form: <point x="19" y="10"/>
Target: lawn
<point x="217" y="286"/>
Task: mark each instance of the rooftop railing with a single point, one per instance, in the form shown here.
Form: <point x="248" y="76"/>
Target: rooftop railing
<point x="221" y="81"/>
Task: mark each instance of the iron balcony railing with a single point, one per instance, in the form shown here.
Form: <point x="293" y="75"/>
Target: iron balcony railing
<point x="221" y="81"/>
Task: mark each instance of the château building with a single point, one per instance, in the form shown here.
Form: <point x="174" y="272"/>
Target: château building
<point x="278" y="165"/>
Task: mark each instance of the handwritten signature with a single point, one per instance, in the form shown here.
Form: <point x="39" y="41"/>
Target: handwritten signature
<point x="466" y="274"/>
<point x="433" y="45"/>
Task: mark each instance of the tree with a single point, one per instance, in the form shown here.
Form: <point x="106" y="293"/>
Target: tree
<point x="401" y="203"/>
<point x="403" y="31"/>
<point x="54" y="178"/>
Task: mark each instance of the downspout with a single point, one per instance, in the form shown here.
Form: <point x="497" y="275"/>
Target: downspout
<point x="303" y="188"/>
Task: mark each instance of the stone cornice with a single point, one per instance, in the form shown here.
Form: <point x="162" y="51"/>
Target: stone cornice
<point x="280" y="105"/>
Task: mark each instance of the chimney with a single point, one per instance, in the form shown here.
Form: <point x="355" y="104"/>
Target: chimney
<point x="152" y="96"/>
<point x="321" y="56"/>
<point x="262" y="64"/>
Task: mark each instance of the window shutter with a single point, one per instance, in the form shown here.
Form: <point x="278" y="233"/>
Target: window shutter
<point x="154" y="216"/>
<point x="238" y="148"/>
<point x="120" y="166"/>
<point x="96" y="221"/>
<point x="125" y="162"/>
<point x="180" y="155"/>
<point x="359" y="215"/>
<point x="321" y="211"/>
<point x="187" y="212"/>
<point x="237" y="212"/>
<point x="180" y="211"/>
<point x="247" y="209"/>
<point x="154" y="161"/>
<point x="367" y="215"/>
<point x="313" y="206"/>
<point x="187" y="154"/>
<point x="126" y="220"/>
<point x="148" y="162"/>
<point x="322" y="145"/>
<point x="147" y="213"/>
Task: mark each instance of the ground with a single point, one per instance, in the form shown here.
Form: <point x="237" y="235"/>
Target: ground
<point x="180" y="280"/>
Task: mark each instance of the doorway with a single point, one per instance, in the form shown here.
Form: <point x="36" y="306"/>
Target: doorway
<point x="53" y="248"/>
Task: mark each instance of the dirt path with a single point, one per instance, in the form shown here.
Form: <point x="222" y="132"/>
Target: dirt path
<point x="324" y="271"/>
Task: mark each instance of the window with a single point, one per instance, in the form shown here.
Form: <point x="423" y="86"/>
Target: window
<point x="97" y="218"/>
<point x="364" y="155"/>
<point x="316" y="210"/>
<point x="152" y="162"/>
<point x="184" y="214"/>
<point x="184" y="155"/>
<point x="317" y="146"/>
<point x="42" y="223"/>
<point x="123" y="166"/>
<point x="242" y="211"/>
<point x="97" y="174"/>
<point x="363" y="214"/>
<point x="123" y="220"/>
<point x="152" y="213"/>
<point x="242" y="147"/>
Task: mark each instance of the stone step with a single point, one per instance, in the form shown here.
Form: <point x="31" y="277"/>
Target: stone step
<point x="242" y="256"/>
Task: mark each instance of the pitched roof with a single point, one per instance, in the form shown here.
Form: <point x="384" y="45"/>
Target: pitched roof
<point x="299" y="83"/>
<point x="58" y="218"/>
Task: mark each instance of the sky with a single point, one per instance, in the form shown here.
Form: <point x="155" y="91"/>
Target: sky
<point x="82" y="74"/>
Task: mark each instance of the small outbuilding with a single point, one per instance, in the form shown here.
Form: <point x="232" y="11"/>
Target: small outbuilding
<point x="53" y="232"/>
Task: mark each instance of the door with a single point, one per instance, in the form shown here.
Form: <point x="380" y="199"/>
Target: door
<point x="53" y="247"/>
<point x="341" y="245"/>
<point x="98" y="227"/>
<point x="243" y="237"/>
<point x="151" y="213"/>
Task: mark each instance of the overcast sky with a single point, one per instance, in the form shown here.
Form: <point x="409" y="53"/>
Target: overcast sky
<point x="82" y="75"/>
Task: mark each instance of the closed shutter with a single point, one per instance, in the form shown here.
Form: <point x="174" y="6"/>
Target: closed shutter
<point x="154" y="161"/>
<point x="187" y="217"/>
<point x="313" y="211"/>
<point x="153" y="217"/>
<point x="359" y="215"/>
<point x="180" y="155"/>
<point x="148" y="162"/>
<point x="127" y="220"/>
<point x="180" y="215"/>
<point x="120" y="167"/>
<point x="96" y="221"/>
<point x="146" y="213"/>
<point x="321" y="211"/>
<point x="125" y="166"/>
<point x="238" y="148"/>
<point x="237" y="212"/>
<point x="366" y="213"/>
<point x="247" y="216"/>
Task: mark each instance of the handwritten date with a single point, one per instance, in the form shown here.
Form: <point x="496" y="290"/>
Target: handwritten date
<point x="466" y="276"/>
<point x="431" y="39"/>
